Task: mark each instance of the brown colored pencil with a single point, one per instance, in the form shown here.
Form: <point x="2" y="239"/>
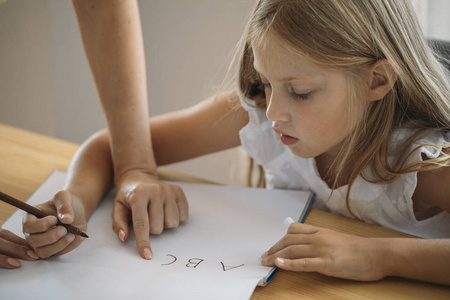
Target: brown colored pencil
<point x="38" y="213"/>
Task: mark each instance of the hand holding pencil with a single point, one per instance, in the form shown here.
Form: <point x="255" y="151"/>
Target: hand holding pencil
<point x="46" y="236"/>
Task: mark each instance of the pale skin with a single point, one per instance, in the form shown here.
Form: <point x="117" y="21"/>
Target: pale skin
<point x="112" y="38"/>
<point x="292" y="87"/>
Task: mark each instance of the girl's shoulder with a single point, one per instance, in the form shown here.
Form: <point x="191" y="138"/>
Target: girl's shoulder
<point x="432" y="188"/>
<point x="409" y="138"/>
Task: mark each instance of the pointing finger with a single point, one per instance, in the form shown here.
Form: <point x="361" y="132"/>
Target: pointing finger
<point x="121" y="218"/>
<point x="141" y="229"/>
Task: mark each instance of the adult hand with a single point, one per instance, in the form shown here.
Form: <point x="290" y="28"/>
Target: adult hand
<point x="150" y="204"/>
<point x="44" y="236"/>
<point x="307" y="248"/>
<point x="13" y="247"/>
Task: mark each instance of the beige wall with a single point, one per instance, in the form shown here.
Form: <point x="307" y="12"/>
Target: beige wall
<point x="26" y="85"/>
<point x="46" y="85"/>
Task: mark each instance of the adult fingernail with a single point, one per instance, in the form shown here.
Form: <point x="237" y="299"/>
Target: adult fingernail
<point x="13" y="262"/>
<point x="32" y="254"/>
<point x="147" y="253"/>
<point x="122" y="235"/>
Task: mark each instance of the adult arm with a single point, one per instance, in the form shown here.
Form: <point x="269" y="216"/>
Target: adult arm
<point x="210" y="126"/>
<point x="112" y="38"/>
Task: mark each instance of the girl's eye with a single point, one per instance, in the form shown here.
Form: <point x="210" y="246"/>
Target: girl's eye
<point x="304" y="96"/>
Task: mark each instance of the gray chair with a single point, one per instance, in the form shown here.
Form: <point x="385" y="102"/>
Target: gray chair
<point x="442" y="50"/>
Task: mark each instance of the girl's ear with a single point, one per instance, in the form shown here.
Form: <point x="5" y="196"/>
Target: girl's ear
<point x="382" y="78"/>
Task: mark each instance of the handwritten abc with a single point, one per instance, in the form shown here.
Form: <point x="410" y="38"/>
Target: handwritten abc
<point x="195" y="262"/>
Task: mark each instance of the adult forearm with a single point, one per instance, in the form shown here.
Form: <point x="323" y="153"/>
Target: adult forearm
<point x="112" y="39"/>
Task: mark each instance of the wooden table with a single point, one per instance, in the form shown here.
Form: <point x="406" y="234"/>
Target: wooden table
<point x="26" y="159"/>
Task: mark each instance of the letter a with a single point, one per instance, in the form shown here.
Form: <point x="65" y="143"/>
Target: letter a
<point x="226" y="268"/>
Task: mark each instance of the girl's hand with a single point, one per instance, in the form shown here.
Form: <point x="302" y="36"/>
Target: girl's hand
<point x="13" y="247"/>
<point x="150" y="204"/>
<point x="307" y="248"/>
<point x="44" y="236"/>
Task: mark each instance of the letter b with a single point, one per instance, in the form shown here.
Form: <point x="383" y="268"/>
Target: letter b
<point x="194" y="262"/>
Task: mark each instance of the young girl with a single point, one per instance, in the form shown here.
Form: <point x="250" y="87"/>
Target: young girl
<point x="344" y="98"/>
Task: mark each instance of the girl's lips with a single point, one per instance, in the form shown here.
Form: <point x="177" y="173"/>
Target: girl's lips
<point x="285" y="139"/>
<point x="288" y="140"/>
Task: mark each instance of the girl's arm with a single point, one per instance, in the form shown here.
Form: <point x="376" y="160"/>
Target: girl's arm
<point x="89" y="177"/>
<point x="307" y="248"/>
<point x="420" y="259"/>
<point x="312" y="249"/>
<point x="427" y="260"/>
<point x="90" y="174"/>
<point x="210" y="126"/>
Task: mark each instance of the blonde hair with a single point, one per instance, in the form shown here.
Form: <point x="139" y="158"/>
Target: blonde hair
<point x="351" y="35"/>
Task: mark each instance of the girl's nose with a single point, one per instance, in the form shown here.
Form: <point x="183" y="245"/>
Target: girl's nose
<point x="276" y="110"/>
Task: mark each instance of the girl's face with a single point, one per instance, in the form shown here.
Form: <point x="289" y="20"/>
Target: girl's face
<point x="308" y="105"/>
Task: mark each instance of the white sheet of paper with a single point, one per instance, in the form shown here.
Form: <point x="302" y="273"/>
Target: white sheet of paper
<point x="214" y="255"/>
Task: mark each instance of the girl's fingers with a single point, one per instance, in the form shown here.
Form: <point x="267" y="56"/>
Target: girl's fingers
<point x="300" y="265"/>
<point x="289" y="252"/>
<point x="33" y="225"/>
<point x="75" y="243"/>
<point x="300" y="228"/>
<point x="296" y="244"/>
<point x="58" y="246"/>
<point x="63" y="204"/>
<point x="289" y="240"/>
<point x="46" y="238"/>
<point x="297" y="234"/>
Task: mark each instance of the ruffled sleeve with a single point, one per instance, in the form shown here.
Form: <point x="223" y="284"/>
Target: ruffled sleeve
<point x="401" y="192"/>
